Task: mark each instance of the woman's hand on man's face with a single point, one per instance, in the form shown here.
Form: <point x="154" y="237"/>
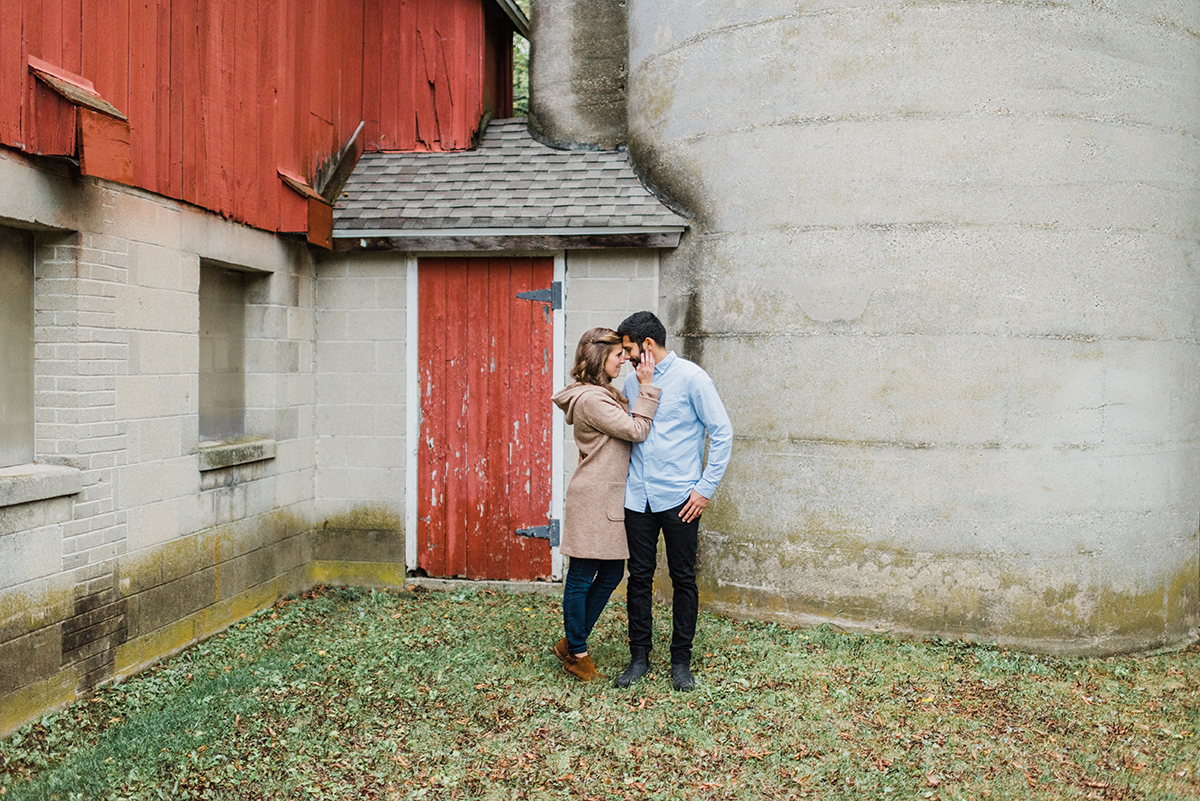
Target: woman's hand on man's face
<point x="645" y="368"/>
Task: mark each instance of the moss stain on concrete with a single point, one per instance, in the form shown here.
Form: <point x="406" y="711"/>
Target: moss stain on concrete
<point x="820" y="573"/>
<point x="365" y="518"/>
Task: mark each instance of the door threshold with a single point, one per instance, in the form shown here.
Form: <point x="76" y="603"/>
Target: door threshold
<point x="490" y="585"/>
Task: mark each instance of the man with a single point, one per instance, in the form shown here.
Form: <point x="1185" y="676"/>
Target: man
<point x="668" y="488"/>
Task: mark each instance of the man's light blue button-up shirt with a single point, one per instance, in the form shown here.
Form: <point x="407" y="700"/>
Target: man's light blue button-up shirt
<point x="665" y="468"/>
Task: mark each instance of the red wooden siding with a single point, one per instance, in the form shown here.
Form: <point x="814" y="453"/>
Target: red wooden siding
<point x="484" y="457"/>
<point x="220" y="94"/>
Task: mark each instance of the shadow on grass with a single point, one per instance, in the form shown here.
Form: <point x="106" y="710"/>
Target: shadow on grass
<point x="357" y="694"/>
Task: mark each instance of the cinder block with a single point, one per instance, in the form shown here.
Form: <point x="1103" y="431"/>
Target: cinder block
<point x="196" y="512"/>
<point x="138" y="396"/>
<point x="378" y="389"/>
<point x="291" y="488"/>
<point x="150" y="482"/>
<point x="170" y="602"/>
<point x="338" y="420"/>
<point x="332" y="325"/>
<point x="35" y="605"/>
<point x="380" y="485"/>
<point x="287" y="357"/>
<point x="254" y="568"/>
<point x="189" y="272"/>
<point x="149" y="309"/>
<point x="358" y="546"/>
<point x="230" y="503"/>
<point x="349" y="293"/>
<point x="346" y="357"/>
<point x="287" y="424"/>
<point x="144" y="528"/>
<point x="28" y="659"/>
<point x="392" y="292"/>
<point x="159" y="353"/>
<point x="30" y="554"/>
<point x="259" y="355"/>
<point x="300" y="324"/>
<point x="260" y="390"/>
<point x="260" y="496"/>
<point x="300" y="390"/>
<point x="376" y="326"/>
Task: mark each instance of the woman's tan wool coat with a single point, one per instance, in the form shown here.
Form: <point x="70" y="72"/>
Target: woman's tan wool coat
<point x="594" y="518"/>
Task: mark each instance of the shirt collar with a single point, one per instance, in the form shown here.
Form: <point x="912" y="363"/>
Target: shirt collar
<point x="665" y="363"/>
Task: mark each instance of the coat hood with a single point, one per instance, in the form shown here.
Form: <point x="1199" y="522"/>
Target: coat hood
<point x="568" y="396"/>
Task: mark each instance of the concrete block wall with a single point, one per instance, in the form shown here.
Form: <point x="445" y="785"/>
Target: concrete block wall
<point x="116" y="548"/>
<point x="360" y="389"/>
<point x="129" y="538"/>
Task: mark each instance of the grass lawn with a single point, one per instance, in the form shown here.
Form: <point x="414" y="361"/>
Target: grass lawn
<point x="353" y="694"/>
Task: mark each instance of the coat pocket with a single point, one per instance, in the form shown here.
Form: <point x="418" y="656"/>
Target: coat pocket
<point x="616" y="502"/>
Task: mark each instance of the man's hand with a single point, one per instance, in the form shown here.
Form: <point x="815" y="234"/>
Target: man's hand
<point x="693" y="508"/>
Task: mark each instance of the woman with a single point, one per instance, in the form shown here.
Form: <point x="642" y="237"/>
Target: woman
<point x="594" y="521"/>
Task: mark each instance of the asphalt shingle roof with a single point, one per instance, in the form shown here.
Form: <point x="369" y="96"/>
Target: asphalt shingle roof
<point x="511" y="181"/>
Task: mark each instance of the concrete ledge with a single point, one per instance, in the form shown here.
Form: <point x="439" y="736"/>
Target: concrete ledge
<point x="37" y="482"/>
<point x="230" y="452"/>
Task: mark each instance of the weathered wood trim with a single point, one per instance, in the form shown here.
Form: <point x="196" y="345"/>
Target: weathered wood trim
<point x="75" y="88"/>
<point x="500" y="242"/>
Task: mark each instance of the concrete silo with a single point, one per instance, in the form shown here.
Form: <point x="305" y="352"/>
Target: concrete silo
<point x="943" y="269"/>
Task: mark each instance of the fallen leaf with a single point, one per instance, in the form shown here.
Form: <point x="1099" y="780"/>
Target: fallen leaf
<point x="931" y="780"/>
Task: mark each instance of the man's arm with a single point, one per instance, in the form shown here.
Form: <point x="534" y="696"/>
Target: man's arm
<point x="712" y="414"/>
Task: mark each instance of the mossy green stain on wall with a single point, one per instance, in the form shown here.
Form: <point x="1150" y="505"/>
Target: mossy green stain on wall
<point x="836" y="575"/>
<point x="367" y="517"/>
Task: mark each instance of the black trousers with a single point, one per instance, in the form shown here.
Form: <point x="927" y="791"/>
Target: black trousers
<point x="681" y="539"/>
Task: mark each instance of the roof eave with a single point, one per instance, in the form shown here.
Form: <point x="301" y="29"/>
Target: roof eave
<point x="493" y="239"/>
<point x="514" y="13"/>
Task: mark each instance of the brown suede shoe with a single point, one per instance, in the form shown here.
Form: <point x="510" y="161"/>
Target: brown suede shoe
<point x="560" y="650"/>
<point x="583" y="668"/>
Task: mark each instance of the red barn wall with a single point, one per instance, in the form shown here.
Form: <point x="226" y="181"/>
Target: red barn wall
<point x="220" y="94"/>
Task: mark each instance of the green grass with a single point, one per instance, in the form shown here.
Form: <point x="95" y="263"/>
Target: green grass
<point x="354" y="694"/>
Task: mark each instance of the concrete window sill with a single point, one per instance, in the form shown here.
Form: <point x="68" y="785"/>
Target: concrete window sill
<point x="25" y="483"/>
<point x="232" y="452"/>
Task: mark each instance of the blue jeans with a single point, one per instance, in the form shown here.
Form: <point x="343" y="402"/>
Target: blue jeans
<point x="585" y="593"/>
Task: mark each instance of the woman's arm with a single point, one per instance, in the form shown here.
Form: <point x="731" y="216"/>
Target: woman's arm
<point x="602" y="412"/>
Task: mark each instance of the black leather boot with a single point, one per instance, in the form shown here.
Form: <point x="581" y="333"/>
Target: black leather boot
<point x="681" y="677"/>
<point x="639" y="665"/>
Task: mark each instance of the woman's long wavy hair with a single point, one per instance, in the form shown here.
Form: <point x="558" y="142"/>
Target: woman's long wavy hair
<point x="591" y="354"/>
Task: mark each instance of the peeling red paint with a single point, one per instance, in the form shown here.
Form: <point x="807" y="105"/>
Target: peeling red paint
<point x="220" y="94"/>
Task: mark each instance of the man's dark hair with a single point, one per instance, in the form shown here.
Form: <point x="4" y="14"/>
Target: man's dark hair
<point x="640" y="325"/>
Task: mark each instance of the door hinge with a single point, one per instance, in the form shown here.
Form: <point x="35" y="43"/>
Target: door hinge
<point x="551" y="531"/>
<point x="553" y="295"/>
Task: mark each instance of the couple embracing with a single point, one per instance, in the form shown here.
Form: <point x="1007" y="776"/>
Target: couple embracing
<point x="641" y="472"/>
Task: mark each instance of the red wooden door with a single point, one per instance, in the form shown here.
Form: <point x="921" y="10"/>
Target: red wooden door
<point x="484" y="458"/>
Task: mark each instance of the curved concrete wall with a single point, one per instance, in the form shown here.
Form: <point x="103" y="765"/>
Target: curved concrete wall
<point x="944" y="272"/>
<point x="577" y="73"/>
